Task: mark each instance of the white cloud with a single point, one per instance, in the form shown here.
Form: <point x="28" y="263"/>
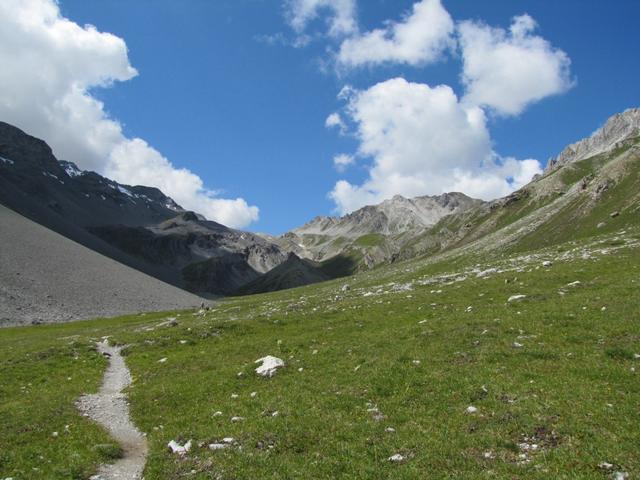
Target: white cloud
<point x="49" y="64"/>
<point x="420" y="38"/>
<point x="341" y="19"/>
<point x="135" y="162"/>
<point x="423" y="140"/>
<point x="335" y="121"/>
<point x="342" y="161"/>
<point x="506" y="71"/>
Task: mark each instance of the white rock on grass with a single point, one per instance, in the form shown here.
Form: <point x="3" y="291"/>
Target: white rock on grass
<point x="574" y="284"/>
<point x="515" y="298"/>
<point x="471" y="409"/>
<point x="396" y="458"/>
<point x="270" y="365"/>
<point x="517" y="345"/>
<point x="178" y="449"/>
<point x="217" y="446"/>
<point x="547" y="263"/>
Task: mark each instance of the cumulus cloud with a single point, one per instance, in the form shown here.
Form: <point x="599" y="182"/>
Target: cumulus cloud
<point x="423" y="140"/>
<point x="419" y="38"/>
<point x="49" y="65"/>
<point x="341" y="15"/>
<point x="506" y="71"/>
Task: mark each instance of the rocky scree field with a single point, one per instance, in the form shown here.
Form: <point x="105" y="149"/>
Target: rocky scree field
<point x="520" y="366"/>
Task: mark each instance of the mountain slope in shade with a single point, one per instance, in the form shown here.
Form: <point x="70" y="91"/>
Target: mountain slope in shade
<point x="136" y="225"/>
<point x="45" y="277"/>
<point x="291" y="273"/>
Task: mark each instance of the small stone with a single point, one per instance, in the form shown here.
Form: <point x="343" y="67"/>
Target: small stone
<point x="162" y="360"/>
<point x="514" y="298"/>
<point x="396" y="458"/>
<point x="390" y="430"/>
<point x="237" y="419"/>
<point x="253" y="394"/>
<point x="471" y="409"/>
<point x="54" y="434"/>
<point x="547" y="263"/>
<point x="178" y="449"/>
<point x="517" y="345"/>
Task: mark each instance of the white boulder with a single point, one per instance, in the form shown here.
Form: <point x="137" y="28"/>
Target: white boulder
<point x="270" y="365"/>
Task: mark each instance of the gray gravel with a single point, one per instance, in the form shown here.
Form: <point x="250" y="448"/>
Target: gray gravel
<point x="45" y="277"/>
<point x="109" y="408"/>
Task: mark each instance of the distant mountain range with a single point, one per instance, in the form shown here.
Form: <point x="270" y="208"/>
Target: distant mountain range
<point x="587" y="186"/>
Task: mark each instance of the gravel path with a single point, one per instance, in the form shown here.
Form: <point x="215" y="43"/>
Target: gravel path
<point x="109" y="408"/>
<point x="45" y="277"/>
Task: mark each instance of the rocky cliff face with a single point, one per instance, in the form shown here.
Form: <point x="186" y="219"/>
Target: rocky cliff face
<point x="375" y="232"/>
<point x="392" y="216"/>
<point x="619" y="127"/>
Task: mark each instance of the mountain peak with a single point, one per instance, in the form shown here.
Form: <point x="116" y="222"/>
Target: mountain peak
<point x="617" y="128"/>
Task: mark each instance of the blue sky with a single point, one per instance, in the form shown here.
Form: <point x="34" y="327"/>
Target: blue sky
<point x="222" y="91"/>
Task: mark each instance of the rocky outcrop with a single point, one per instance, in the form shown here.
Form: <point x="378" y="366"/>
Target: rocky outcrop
<point x="618" y="128"/>
<point x="376" y="232"/>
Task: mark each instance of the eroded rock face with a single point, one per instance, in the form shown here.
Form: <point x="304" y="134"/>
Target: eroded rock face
<point x="618" y="128"/>
<point x="325" y="237"/>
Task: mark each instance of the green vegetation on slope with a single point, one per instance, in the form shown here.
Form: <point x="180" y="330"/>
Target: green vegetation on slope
<point x="402" y="349"/>
<point x="369" y="240"/>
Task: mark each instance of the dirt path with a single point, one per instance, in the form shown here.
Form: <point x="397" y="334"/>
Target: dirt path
<point x="109" y="408"/>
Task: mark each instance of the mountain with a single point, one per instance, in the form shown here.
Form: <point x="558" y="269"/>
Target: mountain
<point x="594" y="191"/>
<point x="375" y="233"/>
<point x="136" y="225"/>
<point x="591" y="184"/>
<point x="617" y="129"/>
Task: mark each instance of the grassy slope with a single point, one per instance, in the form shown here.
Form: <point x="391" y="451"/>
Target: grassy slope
<point x="357" y="352"/>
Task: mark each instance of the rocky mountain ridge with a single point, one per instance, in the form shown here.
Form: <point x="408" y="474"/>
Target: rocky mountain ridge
<point x="388" y="225"/>
<point x="617" y="128"/>
<point x="135" y="225"/>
